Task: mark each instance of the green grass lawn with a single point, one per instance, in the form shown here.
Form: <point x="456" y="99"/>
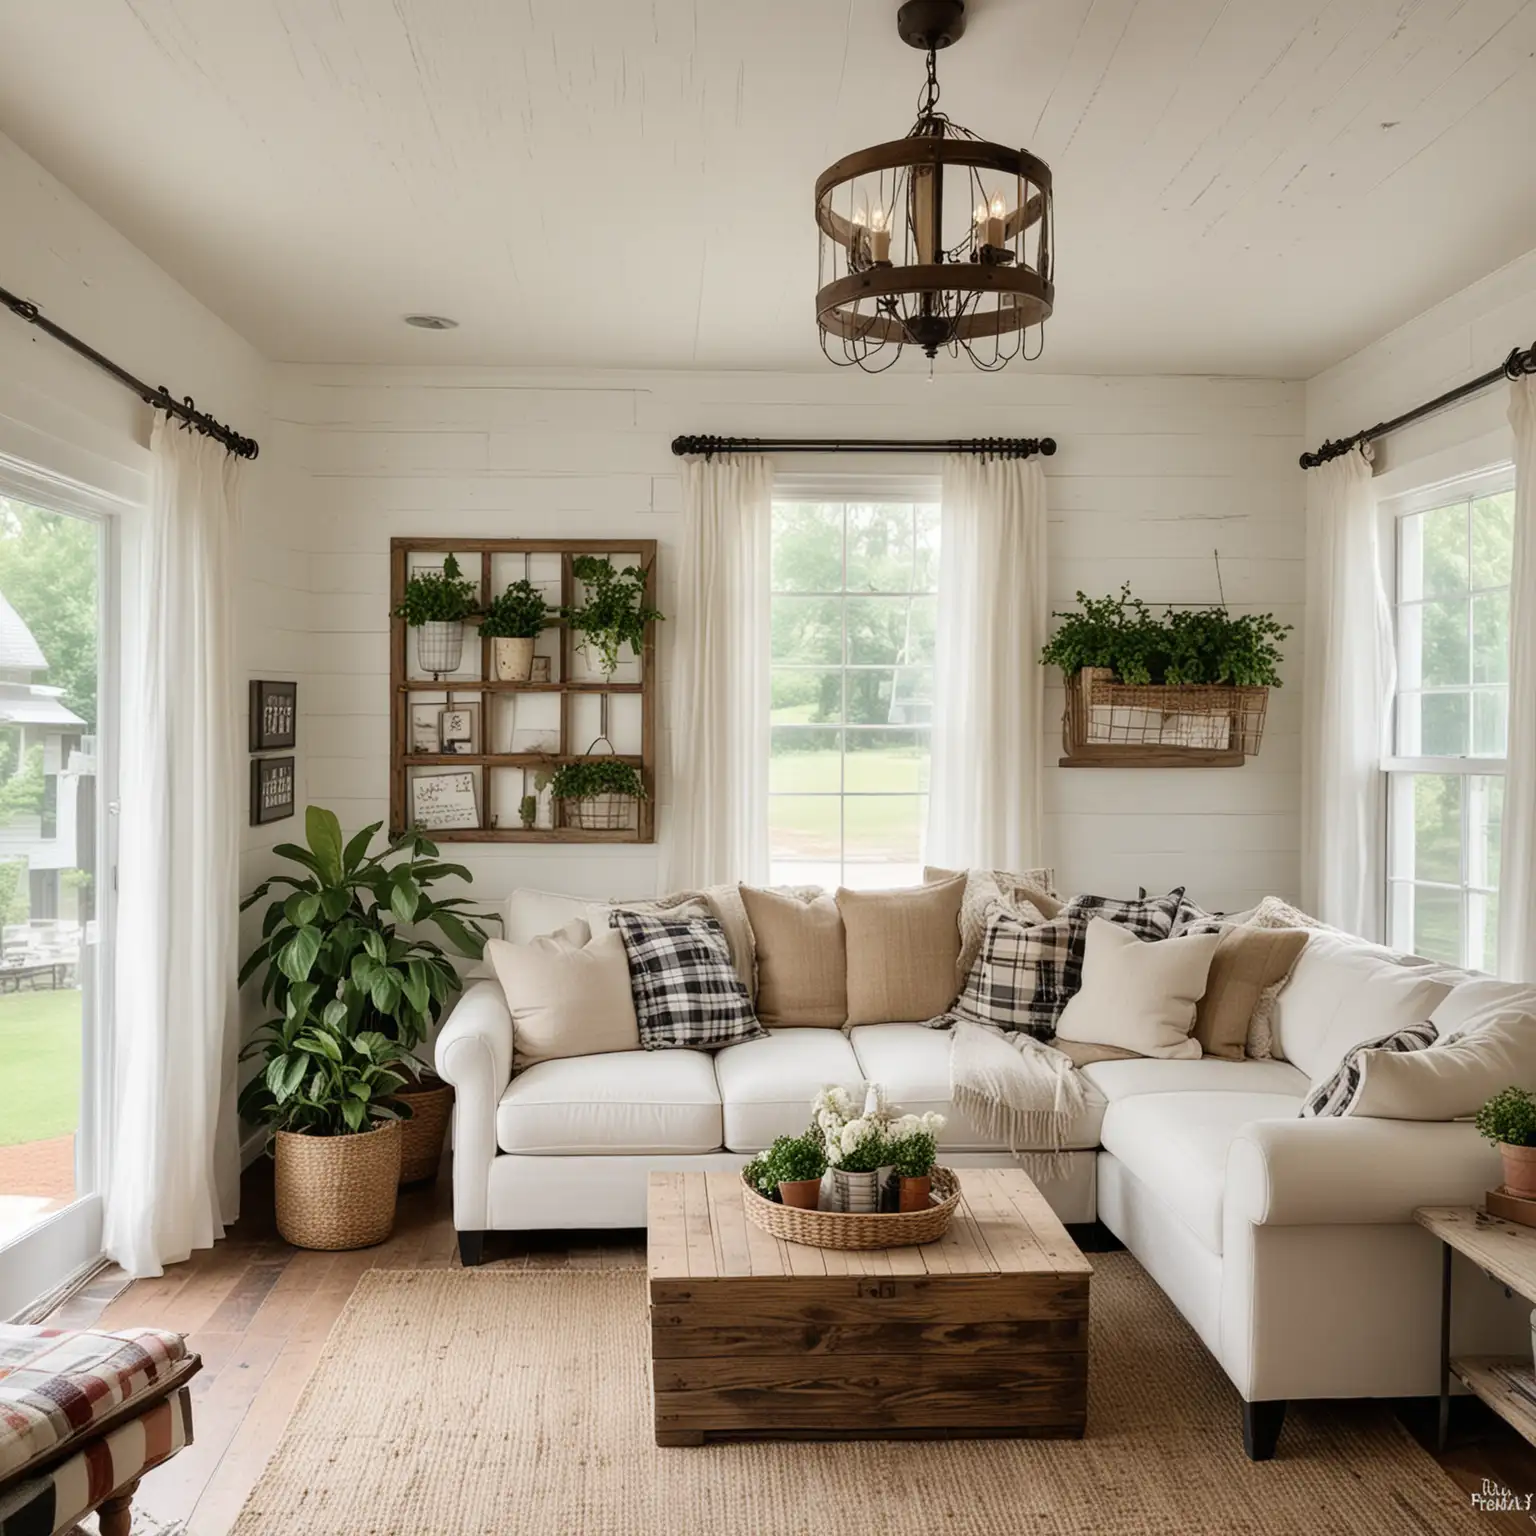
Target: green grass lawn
<point x="887" y="827"/>
<point x="39" y="1065"/>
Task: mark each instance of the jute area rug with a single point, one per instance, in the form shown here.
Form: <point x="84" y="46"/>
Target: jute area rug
<point x="453" y="1402"/>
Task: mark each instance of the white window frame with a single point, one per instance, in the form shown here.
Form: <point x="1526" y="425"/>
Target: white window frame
<point x="1397" y="768"/>
<point x="919" y="489"/>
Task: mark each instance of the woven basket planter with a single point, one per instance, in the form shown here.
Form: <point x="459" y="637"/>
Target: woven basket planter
<point x="844" y="1229"/>
<point x="337" y="1192"/>
<point x="423" y="1134"/>
<point x="1191" y="717"/>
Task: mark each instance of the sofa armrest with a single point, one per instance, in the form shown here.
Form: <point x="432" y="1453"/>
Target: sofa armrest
<point x="474" y="1053"/>
<point x="1347" y="1171"/>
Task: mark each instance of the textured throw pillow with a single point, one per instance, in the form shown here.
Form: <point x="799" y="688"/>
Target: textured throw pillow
<point x="1336" y="1095"/>
<point x="721" y="902"/>
<point x="568" y="994"/>
<point x="802" y="958"/>
<point x="1029" y="896"/>
<point x="1137" y="994"/>
<point x="686" y="990"/>
<point x="903" y="952"/>
<point x="1247" y="962"/>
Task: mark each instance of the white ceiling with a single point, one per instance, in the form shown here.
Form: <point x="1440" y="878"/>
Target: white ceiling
<point x="1243" y="186"/>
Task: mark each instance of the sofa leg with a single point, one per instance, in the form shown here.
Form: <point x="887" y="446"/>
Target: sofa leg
<point x="114" y="1516"/>
<point x="471" y="1248"/>
<point x="1261" y="1428"/>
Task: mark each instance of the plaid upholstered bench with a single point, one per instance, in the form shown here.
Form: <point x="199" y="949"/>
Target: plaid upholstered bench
<point x="83" y="1416"/>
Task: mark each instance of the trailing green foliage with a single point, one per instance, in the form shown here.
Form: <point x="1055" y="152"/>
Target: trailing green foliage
<point x="333" y="952"/>
<point x="596" y="776"/>
<point x="614" y="612"/>
<point x="912" y="1155"/>
<point x="1509" y="1117"/>
<point x="794" y="1158"/>
<point x="438" y="597"/>
<point x="520" y="613"/>
<point x="1192" y="645"/>
<point x="323" y="1081"/>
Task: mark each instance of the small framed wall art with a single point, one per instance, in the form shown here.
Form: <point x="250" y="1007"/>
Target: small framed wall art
<point x="272" y="785"/>
<point x="274" y="715"/>
<point x="444" y="800"/>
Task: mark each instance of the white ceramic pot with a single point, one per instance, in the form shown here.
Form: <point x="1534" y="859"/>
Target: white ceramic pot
<point x="856" y="1192"/>
<point x="514" y="658"/>
<point x="440" y="646"/>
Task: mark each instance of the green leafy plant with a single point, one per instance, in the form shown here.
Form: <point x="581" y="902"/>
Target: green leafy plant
<point x="792" y="1159"/>
<point x="614" y="612"/>
<point x="1197" y="645"/>
<point x="868" y="1154"/>
<point x="1509" y="1117"/>
<point x="323" y="1081"/>
<point x="528" y="810"/>
<point x="596" y="776"/>
<point x="334" y="951"/>
<point x="759" y="1175"/>
<point x="519" y="613"/>
<point x="438" y="597"/>
<point x="913" y="1154"/>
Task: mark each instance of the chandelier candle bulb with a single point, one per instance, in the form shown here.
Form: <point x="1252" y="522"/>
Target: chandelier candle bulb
<point x="995" y="218"/>
<point x="879" y="236"/>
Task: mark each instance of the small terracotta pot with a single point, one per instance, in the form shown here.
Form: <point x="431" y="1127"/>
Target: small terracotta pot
<point x="916" y="1193"/>
<point x="804" y="1194"/>
<point x="1519" y="1170"/>
<point x="514" y="658"/>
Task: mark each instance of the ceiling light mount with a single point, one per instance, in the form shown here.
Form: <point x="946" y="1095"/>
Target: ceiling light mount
<point x="432" y="322"/>
<point x="940" y="240"/>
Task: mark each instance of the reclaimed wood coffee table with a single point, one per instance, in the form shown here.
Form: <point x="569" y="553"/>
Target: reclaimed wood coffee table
<point x="984" y="1333"/>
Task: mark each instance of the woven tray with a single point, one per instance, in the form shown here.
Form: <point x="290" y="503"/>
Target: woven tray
<point x="846" y="1229"/>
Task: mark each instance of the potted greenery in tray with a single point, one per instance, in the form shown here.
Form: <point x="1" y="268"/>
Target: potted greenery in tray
<point x="794" y="1166"/>
<point x="1508" y="1120"/>
<point x="912" y="1150"/>
<point x="613" y="611"/>
<point x="334" y="950"/>
<point x="435" y="605"/>
<point x="597" y="793"/>
<point x="513" y="622"/>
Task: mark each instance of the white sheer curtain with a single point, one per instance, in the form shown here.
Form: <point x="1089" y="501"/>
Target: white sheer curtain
<point x="718" y="812"/>
<point x="1348" y="679"/>
<point x="1517" y="857"/>
<point x="989" y="689"/>
<point x="175" y="1157"/>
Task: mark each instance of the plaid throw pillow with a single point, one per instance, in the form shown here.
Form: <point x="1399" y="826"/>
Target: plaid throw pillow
<point x="686" y="990"/>
<point x="1026" y="974"/>
<point x="1335" y="1096"/>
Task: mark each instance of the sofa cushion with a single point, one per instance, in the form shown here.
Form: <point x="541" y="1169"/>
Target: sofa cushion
<point x="1176" y="1144"/>
<point x="1125" y="1079"/>
<point x="903" y="951"/>
<point x="766" y="1086"/>
<point x="802" y="960"/>
<point x="911" y="1063"/>
<point x="626" y="1101"/>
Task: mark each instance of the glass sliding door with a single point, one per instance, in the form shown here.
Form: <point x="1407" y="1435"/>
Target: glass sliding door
<point x="53" y="995"/>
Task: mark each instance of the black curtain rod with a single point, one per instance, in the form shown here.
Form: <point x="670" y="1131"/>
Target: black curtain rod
<point x="1512" y="367"/>
<point x="160" y="398"/>
<point x="993" y="447"/>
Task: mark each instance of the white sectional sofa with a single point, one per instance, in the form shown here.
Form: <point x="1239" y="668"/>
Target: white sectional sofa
<point x="1288" y="1244"/>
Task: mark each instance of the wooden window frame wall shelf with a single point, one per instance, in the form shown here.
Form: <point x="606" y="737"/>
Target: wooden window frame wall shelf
<point x="403" y="686"/>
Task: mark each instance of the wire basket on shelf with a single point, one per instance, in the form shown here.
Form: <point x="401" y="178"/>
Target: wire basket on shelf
<point x="600" y="813"/>
<point x="1194" y="717"/>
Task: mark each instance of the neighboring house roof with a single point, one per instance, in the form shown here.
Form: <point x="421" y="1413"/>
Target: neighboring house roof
<point x="18" y="650"/>
<point x="36" y="711"/>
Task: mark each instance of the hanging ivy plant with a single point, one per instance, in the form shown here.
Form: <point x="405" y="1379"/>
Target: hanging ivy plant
<point x="614" y="612"/>
<point x="596" y="776"/>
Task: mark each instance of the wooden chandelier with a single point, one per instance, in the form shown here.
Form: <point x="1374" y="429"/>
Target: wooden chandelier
<point x="888" y="278"/>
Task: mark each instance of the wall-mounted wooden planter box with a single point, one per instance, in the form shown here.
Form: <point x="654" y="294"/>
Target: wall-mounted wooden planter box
<point x="570" y="707"/>
<point x="1109" y="724"/>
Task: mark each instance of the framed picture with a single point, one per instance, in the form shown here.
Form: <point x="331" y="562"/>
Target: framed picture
<point x="444" y="800"/>
<point x="424" y="728"/>
<point x="274" y="715"/>
<point x="458" y="728"/>
<point x="536" y="738"/>
<point x="271" y="789"/>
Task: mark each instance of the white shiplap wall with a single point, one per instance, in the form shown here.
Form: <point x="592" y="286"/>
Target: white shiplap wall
<point x="1152" y="475"/>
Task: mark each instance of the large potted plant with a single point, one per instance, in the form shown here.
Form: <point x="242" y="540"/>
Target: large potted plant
<point x="435" y="605"/>
<point x="613" y="612"/>
<point x="597" y="794"/>
<point x="514" y="621"/>
<point x="344" y="940"/>
<point x="328" y="1098"/>
<point x="1508" y="1120"/>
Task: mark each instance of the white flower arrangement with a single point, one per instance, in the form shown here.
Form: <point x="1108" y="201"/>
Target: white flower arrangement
<point x="847" y="1133"/>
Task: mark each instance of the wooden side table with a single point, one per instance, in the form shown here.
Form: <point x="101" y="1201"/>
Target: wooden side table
<point x="1506" y="1252"/>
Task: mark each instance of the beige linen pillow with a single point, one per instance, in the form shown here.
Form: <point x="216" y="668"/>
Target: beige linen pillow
<point x="903" y="952"/>
<point x="1139" y="994"/>
<point x="1247" y="962"/>
<point x="568" y="993"/>
<point x="802" y="960"/>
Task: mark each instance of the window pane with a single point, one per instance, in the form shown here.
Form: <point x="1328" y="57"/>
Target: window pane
<point x="1493" y="523"/>
<point x="1437" y="924"/>
<point x="1446" y="659"/>
<point x="885" y="829"/>
<point x="926" y="577"/>
<point x="1410" y="724"/>
<point x="887" y="762"/>
<point x="1445" y="550"/>
<point x="1447" y="718"/>
<point x="890" y="696"/>
<point x="1490" y="721"/>
<point x="1482" y="932"/>
<point x="880" y="548"/>
<point x="808" y="630"/>
<point x="806" y="760"/>
<point x="806" y="697"/>
<point x="888" y="631"/>
<point x="805" y="827"/>
<point x="1485" y="817"/>
<point x="1437" y="827"/>
<point x="807" y="547"/>
<point x="1410" y="646"/>
<point x="1490" y="637"/>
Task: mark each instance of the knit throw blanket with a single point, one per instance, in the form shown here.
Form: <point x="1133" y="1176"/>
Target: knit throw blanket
<point x="1019" y="1090"/>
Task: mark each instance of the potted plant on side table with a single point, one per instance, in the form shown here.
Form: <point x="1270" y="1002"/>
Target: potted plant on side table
<point x="334" y="948"/>
<point x="1508" y="1120"/>
<point x="513" y="622"/>
<point x="435" y="605"/>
